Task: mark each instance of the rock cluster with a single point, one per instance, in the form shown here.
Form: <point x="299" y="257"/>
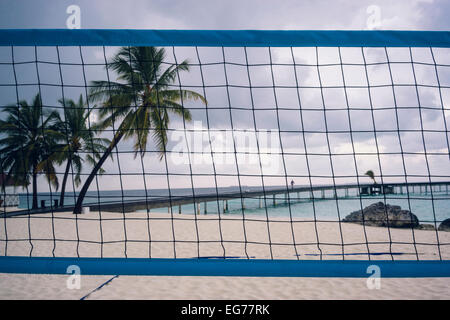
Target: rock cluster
<point x="381" y="215"/>
<point x="445" y="225"/>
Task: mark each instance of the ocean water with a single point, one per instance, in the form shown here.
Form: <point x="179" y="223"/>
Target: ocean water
<point x="426" y="208"/>
<point x="422" y="206"/>
<point x="332" y="209"/>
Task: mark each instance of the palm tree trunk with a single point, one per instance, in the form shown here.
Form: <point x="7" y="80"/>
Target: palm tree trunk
<point x="35" y="197"/>
<point x="63" y="186"/>
<point x="94" y="172"/>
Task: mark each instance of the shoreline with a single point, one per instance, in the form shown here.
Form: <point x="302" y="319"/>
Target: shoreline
<point x="162" y="234"/>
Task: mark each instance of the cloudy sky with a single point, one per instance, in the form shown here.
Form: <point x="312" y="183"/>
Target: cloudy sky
<point x="232" y="14"/>
<point x="323" y="125"/>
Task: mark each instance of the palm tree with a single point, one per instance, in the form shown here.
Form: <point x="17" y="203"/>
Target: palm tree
<point x="78" y="141"/>
<point x="142" y="100"/>
<point x="371" y="175"/>
<point x="30" y="135"/>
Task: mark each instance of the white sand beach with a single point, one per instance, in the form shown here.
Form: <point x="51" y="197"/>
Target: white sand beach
<point x="207" y="236"/>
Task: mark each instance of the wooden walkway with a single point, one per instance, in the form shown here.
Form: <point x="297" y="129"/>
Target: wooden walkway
<point x="267" y="196"/>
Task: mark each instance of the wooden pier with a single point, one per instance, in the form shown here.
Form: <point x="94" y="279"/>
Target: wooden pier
<point x="269" y="196"/>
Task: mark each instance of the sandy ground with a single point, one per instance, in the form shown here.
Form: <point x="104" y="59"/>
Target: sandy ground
<point x="110" y="235"/>
<point x="21" y="286"/>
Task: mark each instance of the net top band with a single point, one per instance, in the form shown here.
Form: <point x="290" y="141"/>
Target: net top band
<point x="223" y="38"/>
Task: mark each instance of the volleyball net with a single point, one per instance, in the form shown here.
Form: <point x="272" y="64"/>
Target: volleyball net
<point x="256" y="153"/>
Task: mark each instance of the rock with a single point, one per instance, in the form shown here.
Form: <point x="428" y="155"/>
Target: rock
<point x="445" y="225"/>
<point x="426" y="226"/>
<point x="381" y="215"/>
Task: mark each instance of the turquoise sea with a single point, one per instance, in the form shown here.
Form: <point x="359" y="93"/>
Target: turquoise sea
<point x="332" y="209"/>
<point x="426" y="207"/>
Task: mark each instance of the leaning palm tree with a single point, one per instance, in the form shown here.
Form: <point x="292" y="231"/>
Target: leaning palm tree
<point x="141" y="100"/>
<point x="371" y="175"/>
<point x="30" y="135"/>
<point x="79" y="140"/>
